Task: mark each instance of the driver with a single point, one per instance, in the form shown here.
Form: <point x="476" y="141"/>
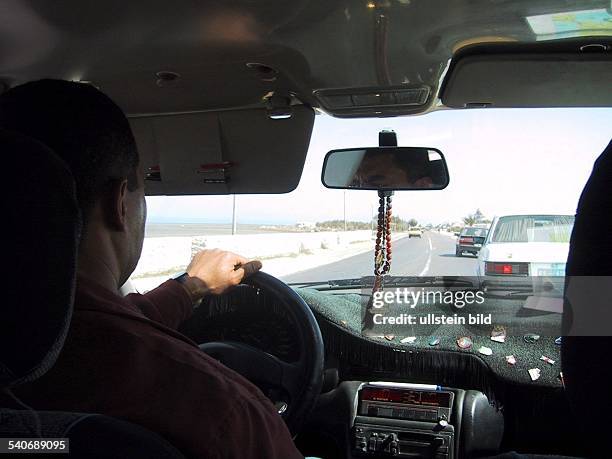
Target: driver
<point x="123" y="356"/>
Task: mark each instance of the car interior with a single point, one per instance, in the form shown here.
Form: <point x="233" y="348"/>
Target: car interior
<point x="222" y="97"/>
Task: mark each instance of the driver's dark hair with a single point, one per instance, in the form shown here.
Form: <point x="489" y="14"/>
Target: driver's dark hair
<point x="82" y="126"/>
<point x="416" y="166"/>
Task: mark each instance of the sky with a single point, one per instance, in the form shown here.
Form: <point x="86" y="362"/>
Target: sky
<point x="500" y="161"/>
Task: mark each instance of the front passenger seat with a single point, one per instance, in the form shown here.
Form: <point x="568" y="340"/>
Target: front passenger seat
<point x="44" y="223"/>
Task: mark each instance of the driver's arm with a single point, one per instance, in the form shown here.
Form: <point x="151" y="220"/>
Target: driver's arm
<point x="169" y="304"/>
<point x="210" y="272"/>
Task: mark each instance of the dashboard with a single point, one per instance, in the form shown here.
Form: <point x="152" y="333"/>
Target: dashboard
<point x="436" y="403"/>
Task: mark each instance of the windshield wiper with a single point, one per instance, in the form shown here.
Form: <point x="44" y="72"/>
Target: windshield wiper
<point x="463" y="282"/>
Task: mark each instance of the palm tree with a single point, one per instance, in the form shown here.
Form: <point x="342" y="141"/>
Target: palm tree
<point x="469" y="220"/>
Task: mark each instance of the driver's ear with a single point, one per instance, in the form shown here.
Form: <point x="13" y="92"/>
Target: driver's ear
<point x="115" y="205"/>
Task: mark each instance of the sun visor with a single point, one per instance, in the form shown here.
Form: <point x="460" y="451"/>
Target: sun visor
<point x="224" y="152"/>
<point x="563" y="74"/>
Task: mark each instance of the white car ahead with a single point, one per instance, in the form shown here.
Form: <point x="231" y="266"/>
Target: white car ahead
<point x="522" y="246"/>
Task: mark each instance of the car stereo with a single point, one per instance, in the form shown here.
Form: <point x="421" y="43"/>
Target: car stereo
<point x="403" y="420"/>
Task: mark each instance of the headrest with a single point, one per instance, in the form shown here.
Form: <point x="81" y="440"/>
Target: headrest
<point x="43" y="227"/>
<point x="586" y="360"/>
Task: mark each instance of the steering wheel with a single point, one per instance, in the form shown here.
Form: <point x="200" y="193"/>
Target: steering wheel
<point x="299" y="382"/>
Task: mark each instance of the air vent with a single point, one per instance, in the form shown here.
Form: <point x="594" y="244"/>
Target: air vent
<point x="372" y="98"/>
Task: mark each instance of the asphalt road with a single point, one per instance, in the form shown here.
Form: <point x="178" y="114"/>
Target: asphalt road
<point x="431" y="255"/>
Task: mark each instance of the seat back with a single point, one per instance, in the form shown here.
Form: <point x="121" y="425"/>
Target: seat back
<point x="43" y="223"/>
<point x="44" y="226"/>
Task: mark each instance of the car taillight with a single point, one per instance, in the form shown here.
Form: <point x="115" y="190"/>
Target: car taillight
<point x="466" y="240"/>
<point x="507" y="269"/>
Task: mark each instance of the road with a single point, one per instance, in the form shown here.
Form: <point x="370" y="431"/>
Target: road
<point x="431" y="255"/>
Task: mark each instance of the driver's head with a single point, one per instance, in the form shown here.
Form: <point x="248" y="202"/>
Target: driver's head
<point x="380" y="169"/>
<point x="92" y="135"/>
<point x="417" y="167"/>
<point x="390" y="169"/>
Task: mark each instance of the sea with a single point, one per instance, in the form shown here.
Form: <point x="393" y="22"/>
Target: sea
<point x="211" y="229"/>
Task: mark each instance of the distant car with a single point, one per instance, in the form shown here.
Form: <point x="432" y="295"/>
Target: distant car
<point x="520" y="246"/>
<point x="470" y="240"/>
<point x="415" y="231"/>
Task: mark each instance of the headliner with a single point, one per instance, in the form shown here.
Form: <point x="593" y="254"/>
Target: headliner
<point x="120" y="45"/>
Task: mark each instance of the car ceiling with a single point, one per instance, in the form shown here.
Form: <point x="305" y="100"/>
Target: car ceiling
<point x="305" y="46"/>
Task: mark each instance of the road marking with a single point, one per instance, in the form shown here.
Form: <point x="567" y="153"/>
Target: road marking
<point x="426" y="268"/>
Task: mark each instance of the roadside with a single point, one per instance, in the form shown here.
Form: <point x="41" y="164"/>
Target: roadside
<point x="281" y="254"/>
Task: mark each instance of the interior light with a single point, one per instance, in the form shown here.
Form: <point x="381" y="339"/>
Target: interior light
<point x="371" y="5"/>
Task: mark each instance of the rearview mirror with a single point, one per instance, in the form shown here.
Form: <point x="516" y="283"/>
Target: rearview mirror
<point x="385" y="168"/>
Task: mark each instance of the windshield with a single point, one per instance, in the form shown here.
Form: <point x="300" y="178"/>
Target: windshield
<point x="502" y="163"/>
<point x="516" y="172"/>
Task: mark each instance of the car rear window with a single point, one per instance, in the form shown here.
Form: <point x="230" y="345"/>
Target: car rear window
<point x="534" y="228"/>
<point x="474" y="232"/>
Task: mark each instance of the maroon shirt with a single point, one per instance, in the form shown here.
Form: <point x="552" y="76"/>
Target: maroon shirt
<point x="124" y="358"/>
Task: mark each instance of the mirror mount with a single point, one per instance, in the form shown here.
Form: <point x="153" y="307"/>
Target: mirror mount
<point x="387" y="138"/>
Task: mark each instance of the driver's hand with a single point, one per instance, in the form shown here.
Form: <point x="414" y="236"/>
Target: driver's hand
<point x="214" y="271"/>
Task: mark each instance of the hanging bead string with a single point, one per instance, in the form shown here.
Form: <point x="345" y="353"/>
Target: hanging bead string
<point x="382" y="251"/>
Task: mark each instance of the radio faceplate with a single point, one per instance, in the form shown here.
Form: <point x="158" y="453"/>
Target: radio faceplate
<point x="406" y="403"/>
<point x="383" y="441"/>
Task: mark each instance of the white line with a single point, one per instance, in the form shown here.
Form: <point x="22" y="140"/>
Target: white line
<point x="426" y="268"/>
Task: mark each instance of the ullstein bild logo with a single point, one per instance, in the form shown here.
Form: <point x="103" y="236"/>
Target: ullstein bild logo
<point x="433" y="319"/>
<point x="412" y="297"/>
